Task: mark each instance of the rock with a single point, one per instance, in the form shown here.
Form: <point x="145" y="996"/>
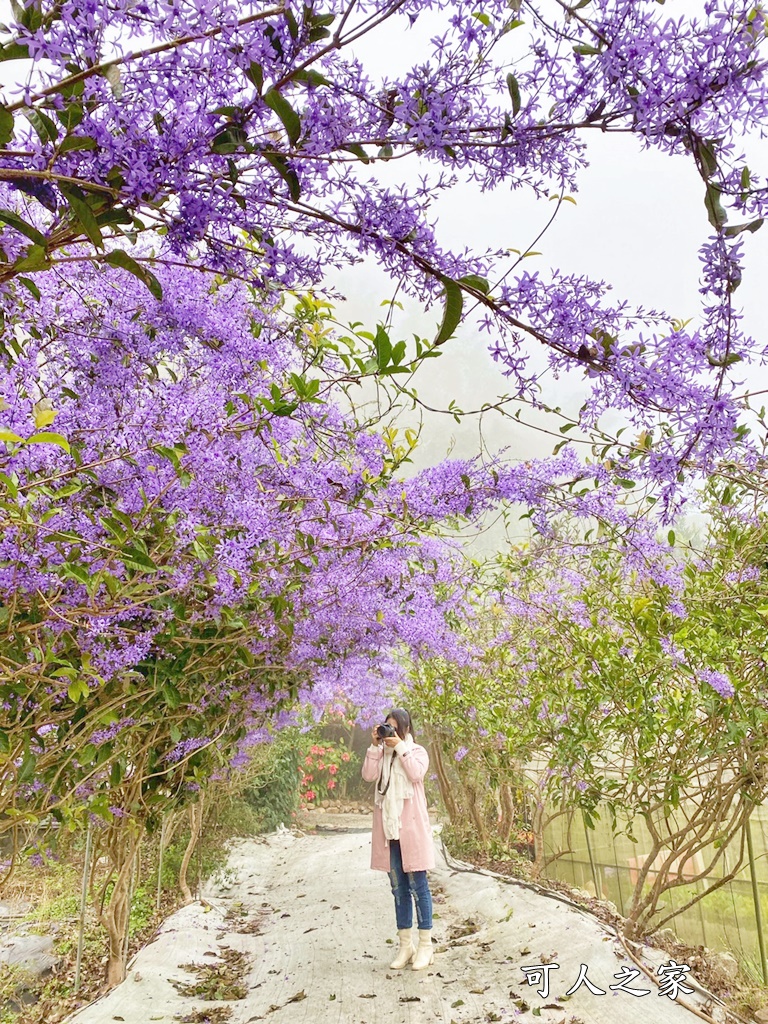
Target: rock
<point x="33" y="953"/>
<point x="18" y="908"/>
<point x="666" y="935"/>
<point x="761" y="1016"/>
<point x="726" y="966"/>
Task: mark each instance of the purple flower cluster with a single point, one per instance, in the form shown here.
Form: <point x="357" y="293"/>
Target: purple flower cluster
<point x="719" y="682"/>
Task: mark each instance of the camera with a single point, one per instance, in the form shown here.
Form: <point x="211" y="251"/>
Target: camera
<point x="382" y="731"/>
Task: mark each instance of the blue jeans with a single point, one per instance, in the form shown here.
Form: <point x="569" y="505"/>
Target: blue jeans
<point x="406" y="885"/>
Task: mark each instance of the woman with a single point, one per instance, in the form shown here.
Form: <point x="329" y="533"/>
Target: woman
<point x="401" y="840"/>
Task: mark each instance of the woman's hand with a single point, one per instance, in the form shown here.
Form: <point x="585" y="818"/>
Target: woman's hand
<point x="375" y="737"/>
<point x="391" y="741"/>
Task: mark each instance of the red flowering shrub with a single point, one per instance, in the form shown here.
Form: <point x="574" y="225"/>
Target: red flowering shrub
<point x="323" y="772"/>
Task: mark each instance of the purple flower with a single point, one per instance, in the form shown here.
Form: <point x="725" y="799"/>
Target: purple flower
<point x="719" y="682"/>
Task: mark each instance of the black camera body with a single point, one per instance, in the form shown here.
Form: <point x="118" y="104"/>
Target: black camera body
<point x="382" y="731"/>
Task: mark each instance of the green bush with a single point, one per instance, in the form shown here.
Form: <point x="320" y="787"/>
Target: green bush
<point x="273" y="793"/>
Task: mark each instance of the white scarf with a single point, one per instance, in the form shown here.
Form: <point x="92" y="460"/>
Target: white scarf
<point x="397" y="788"/>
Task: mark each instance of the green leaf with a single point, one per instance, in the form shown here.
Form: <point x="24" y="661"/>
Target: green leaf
<point x="514" y="92"/>
<point x="171" y="695"/>
<point x="114" y="527"/>
<point x="5" y="743"/>
<point x="705" y="150"/>
<point x="83" y="214"/>
<point x="736" y="229"/>
<point x="27" y="768"/>
<point x="118" y="216"/>
<point x="43" y="125"/>
<point x="586" y="50"/>
<point x="14" y="51"/>
<point x="291" y="120"/>
<point x="71" y="115"/>
<point x="78" y="691"/>
<point x="229" y="139"/>
<point x="398" y="353"/>
<point x="716" y="213"/>
<point x="310" y="77"/>
<point x="383" y="347"/>
<point x="50" y="437"/>
<point x="286" y="172"/>
<point x="255" y="74"/>
<point x="9" y="435"/>
<point x="357" y="150"/>
<point x="480" y="284"/>
<point x="45" y="417"/>
<point x="30" y="285"/>
<point x="671" y="538"/>
<point x="6" y="125"/>
<point x="13" y="220"/>
<point x="76" y="142"/>
<point x="454" y="304"/>
<point x="138" y="559"/>
<point x="121" y="259"/>
<point x="318" y="34"/>
<point x="35" y="258"/>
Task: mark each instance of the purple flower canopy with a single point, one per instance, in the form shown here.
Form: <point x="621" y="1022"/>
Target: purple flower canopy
<point x="175" y="178"/>
<point x="250" y="137"/>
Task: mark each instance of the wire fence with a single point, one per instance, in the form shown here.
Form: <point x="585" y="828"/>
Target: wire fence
<point x="732" y="919"/>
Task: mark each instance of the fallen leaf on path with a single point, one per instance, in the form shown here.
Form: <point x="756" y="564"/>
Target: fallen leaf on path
<point x="410" y="999"/>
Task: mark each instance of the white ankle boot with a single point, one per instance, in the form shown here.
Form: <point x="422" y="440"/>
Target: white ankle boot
<point x="424" y="954"/>
<point x="407" y="950"/>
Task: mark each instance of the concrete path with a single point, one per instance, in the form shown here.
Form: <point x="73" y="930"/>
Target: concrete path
<point x="318" y="924"/>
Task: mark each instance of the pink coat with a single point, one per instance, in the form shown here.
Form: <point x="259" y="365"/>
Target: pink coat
<point x="416" y="844"/>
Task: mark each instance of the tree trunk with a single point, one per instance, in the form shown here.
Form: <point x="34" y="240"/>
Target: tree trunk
<point x="442" y="780"/>
<point x="475" y="807"/>
<point x="195" y="828"/>
<point x="539" y="854"/>
<point x="507" y="812"/>
<point x="115" y="917"/>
